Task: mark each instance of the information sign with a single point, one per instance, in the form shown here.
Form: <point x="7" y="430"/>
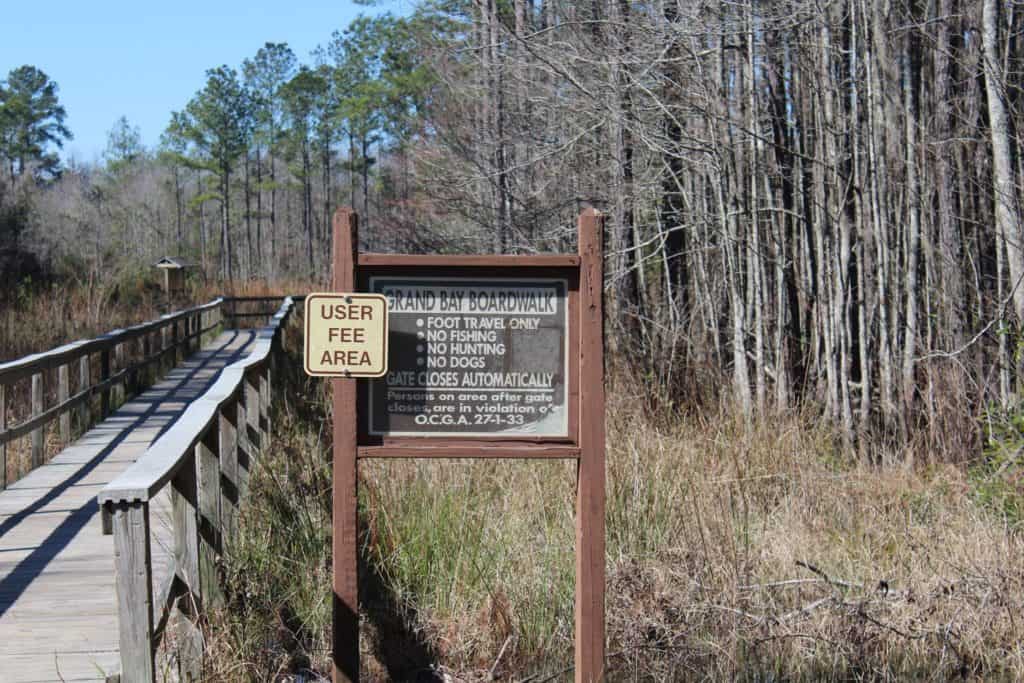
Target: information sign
<point x="473" y="357"/>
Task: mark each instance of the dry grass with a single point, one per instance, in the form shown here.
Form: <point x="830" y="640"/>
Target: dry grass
<point x="38" y="318"/>
<point x="735" y="551"/>
<point x="784" y="558"/>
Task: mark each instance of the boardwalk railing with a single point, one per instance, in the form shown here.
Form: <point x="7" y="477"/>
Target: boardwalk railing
<point x="158" y="341"/>
<point x="204" y="459"/>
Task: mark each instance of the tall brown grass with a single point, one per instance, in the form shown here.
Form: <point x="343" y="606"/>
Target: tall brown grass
<point x="743" y="550"/>
<point x="736" y="551"/>
<point x="35" y="318"/>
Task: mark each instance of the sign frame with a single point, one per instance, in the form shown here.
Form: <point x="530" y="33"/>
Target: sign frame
<point x="585" y="442"/>
<point x="380" y="445"/>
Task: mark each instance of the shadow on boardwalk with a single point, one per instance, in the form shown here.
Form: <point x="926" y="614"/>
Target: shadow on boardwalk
<point x="57" y="559"/>
<point x="185" y="389"/>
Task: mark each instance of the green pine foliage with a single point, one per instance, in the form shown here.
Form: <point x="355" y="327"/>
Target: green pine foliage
<point x="31" y="122"/>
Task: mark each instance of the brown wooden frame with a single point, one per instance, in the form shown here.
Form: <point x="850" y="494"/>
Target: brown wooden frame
<point x="584" y="443"/>
<point x="371" y="446"/>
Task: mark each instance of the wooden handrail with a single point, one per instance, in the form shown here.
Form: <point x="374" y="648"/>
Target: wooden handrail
<point x="14" y="370"/>
<point x="198" y="458"/>
<point x="296" y="298"/>
<point x="72" y="402"/>
<point x="185" y="326"/>
<point x="158" y="464"/>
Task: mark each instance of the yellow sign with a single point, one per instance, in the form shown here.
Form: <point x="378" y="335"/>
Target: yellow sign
<point x="346" y="335"/>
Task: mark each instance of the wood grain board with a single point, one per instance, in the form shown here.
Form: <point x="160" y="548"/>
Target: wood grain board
<point x="58" y="608"/>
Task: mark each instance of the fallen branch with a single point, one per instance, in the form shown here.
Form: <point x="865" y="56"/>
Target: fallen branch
<point x="803" y="610"/>
<point x="501" y="653"/>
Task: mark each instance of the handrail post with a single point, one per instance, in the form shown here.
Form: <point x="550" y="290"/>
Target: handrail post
<point x="84" y="382"/>
<point x="187" y="541"/>
<point x="145" y="356"/>
<point x="264" y="379"/>
<point x="134" y="580"/>
<point x="164" y="334"/>
<point x="138" y="376"/>
<point x="186" y="531"/>
<point x="63" y="392"/>
<point x="244" y="451"/>
<point x="37" y="410"/>
<point x="146" y="350"/>
<point x="132" y="380"/>
<point x="208" y="507"/>
<point x="104" y="376"/>
<point x="227" y="450"/>
<point x="174" y="342"/>
<point x="186" y="338"/>
<point x="121" y="394"/>
<point x="253" y="410"/>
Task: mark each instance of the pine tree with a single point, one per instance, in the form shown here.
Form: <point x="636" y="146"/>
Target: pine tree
<point x="31" y="122"/>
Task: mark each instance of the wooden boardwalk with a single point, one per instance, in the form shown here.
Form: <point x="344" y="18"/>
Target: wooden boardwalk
<point x="58" y="609"/>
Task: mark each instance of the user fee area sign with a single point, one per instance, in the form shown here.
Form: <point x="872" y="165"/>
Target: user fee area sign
<point x="346" y="335"/>
<point x="473" y="356"/>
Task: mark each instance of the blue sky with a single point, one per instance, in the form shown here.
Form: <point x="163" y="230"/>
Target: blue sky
<point x="145" y="59"/>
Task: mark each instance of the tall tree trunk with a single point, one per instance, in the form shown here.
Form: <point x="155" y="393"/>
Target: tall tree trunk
<point x="1004" y="183"/>
<point x="325" y="163"/>
<point x="952" y="281"/>
<point x="179" y="208"/>
<point x="365" y="218"/>
<point x="259" y="212"/>
<point x="672" y="190"/>
<point x="627" y="288"/>
<point x="910" y="84"/>
<point x="247" y="193"/>
<point x="755" y="258"/>
<point x="500" y="161"/>
<point x="273" y="270"/>
<point x="307" y="206"/>
<point x="204" y="253"/>
<point x="873" y="58"/>
<point x="225" y="225"/>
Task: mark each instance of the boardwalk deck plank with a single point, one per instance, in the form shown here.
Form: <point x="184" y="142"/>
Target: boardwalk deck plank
<point x="58" y="609"/>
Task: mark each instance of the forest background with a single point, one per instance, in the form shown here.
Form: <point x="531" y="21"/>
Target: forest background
<point x="813" y="208"/>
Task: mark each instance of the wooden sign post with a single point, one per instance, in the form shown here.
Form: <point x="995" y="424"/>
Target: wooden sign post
<point x="487" y="357"/>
